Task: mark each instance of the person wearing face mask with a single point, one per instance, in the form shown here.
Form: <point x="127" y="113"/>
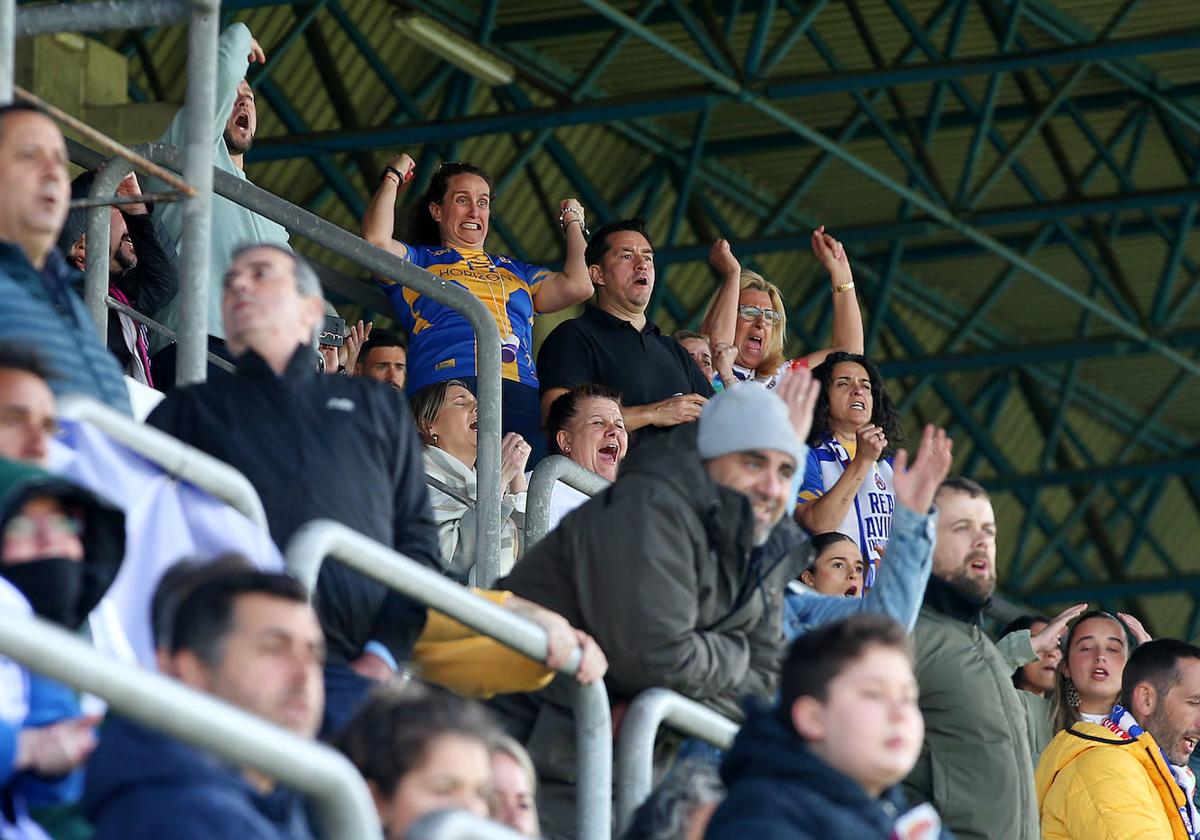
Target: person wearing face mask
<point x="446" y="415"/>
<point x="748" y="313"/>
<point x="61" y="549"/>
<point x="586" y="425"/>
<point x="848" y="479"/>
<point x="447" y="233"/>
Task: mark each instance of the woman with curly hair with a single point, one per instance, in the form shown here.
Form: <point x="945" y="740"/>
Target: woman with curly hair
<point x="848" y="477"/>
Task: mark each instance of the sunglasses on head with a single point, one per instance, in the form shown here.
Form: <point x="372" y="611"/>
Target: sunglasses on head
<point x="751" y="313"/>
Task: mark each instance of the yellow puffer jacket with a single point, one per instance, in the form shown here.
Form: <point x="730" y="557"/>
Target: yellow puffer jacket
<point x="1093" y="784"/>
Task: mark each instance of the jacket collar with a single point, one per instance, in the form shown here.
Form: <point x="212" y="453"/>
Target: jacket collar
<point x="302" y="365"/>
<point x="947" y="600"/>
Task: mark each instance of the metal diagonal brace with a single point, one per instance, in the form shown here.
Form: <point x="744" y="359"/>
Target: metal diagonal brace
<point x="751" y="99"/>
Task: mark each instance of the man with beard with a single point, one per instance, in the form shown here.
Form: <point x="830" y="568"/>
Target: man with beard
<point x="669" y="571"/>
<point x="1128" y="776"/>
<point x="976" y="764"/>
<point x="140" y="275"/>
<point x="233" y="226"/>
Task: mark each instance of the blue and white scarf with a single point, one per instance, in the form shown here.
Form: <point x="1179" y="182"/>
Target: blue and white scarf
<point x="1123" y="723"/>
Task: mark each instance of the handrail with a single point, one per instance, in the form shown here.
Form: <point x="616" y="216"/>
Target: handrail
<point x="635" y="743"/>
<point x="142" y="318"/>
<point x="99" y="16"/>
<point x="174" y="456"/>
<point x="549" y="470"/>
<point x="458" y="825"/>
<point x="593" y="721"/>
<point x="338" y="793"/>
<point x="384" y="264"/>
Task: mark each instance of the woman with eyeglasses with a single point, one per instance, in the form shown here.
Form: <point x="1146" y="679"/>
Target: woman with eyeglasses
<point x="748" y="312"/>
<point x="447" y="230"/>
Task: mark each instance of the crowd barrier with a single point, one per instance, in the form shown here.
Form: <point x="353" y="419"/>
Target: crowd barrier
<point x="649" y="711"/>
<point x="358" y="250"/>
<point x="549" y="470"/>
<point x="593" y="721"/>
<point x="458" y="825"/>
<point x="336" y="791"/>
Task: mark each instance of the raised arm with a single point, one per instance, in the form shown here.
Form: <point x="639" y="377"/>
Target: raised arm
<point x="847" y="317"/>
<point x="721" y="320"/>
<point x="571" y="286"/>
<point x="379" y="220"/>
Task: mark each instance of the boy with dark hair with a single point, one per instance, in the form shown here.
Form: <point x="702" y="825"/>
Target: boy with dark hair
<point x="827" y="761"/>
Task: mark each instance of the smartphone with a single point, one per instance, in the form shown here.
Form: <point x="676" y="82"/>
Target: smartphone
<point x="333" y="332"/>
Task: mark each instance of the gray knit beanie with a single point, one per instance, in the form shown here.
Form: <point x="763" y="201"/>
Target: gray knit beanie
<point x="747" y="416"/>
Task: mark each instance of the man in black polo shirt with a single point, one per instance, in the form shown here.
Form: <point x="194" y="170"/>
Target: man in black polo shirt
<point x="613" y="344"/>
<point x="333" y="447"/>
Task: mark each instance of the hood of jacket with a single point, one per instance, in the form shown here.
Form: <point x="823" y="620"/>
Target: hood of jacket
<point x="104" y="524"/>
<point x="134" y="765"/>
<point x="673" y="460"/>
<point x="772" y="757"/>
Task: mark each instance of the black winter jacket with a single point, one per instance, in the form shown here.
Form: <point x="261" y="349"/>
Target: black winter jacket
<point x="318" y="446"/>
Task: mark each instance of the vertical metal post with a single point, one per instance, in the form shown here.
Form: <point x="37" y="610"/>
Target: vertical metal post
<point x="196" y="251"/>
<point x="8" y="48"/>
<point x="99" y="228"/>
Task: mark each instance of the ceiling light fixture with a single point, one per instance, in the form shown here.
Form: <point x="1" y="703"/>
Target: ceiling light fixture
<point x="464" y="54"/>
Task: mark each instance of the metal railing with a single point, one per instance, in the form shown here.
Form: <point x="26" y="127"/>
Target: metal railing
<point x="550" y="470"/>
<point x="458" y="825"/>
<point x="200" y="102"/>
<point x="172" y="455"/>
<point x="376" y="260"/>
<point x="635" y="745"/>
<point x="337" y="792"/>
<point x="593" y="720"/>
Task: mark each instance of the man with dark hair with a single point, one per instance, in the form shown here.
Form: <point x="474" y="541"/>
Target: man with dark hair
<point x="27" y="406"/>
<point x="827" y="761"/>
<point x="295" y="434"/>
<point x="612" y="343"/>
<point x="383" y="358"/>
<point x="140" y="274"/>
<point x="976" y="766"/>
<point x="40" y="308"/>
<point x="251" y="639"/>
<point x="234" y="125"/>
<point x="1129" y="776"/>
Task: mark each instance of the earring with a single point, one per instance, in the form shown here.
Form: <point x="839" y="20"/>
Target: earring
<point x="435" y="438"/>
<point x="566" y="449"/>
<point x="1073" y="698"/>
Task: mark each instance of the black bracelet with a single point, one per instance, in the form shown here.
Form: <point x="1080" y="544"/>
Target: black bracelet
<point x="393" y="170"/>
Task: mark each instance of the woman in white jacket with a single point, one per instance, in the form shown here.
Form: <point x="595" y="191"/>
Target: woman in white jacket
<point x="446" y="414"/>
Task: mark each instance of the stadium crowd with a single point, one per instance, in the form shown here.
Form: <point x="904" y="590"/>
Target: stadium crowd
<point x="773" y="552"/>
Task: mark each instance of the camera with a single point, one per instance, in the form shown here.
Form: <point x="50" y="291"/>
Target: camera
<point x="333" y="332"/>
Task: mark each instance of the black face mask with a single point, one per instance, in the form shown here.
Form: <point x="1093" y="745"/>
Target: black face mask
<point x="52" y="585"/>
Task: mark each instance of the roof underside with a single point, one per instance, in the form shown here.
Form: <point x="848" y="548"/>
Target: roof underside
<point x="1016" y="181"/>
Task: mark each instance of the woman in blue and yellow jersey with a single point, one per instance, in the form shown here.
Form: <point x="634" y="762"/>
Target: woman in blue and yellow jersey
<point x="446" y="236"/>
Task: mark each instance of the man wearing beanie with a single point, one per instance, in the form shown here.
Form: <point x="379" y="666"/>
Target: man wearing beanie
<point x="665" y="570"/>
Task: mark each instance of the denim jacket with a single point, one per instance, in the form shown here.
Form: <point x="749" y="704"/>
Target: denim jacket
<point x="899" y="587"/>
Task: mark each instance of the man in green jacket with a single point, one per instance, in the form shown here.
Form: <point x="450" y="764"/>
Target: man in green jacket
<point x="976" y="764"/>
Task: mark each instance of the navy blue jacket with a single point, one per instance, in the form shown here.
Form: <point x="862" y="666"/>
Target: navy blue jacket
<point x="778" y="788"/>
<point x="142" y="785"/>
<point x="43" y="313"/>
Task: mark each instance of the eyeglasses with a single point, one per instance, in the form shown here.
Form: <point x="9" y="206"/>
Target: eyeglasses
<point x="751" y="313"/>
<point x="25" y="527"/>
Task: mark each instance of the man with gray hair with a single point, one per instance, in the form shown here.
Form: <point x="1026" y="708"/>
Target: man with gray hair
<point x="331" y="447"/>
<point x="668" y="571"/>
